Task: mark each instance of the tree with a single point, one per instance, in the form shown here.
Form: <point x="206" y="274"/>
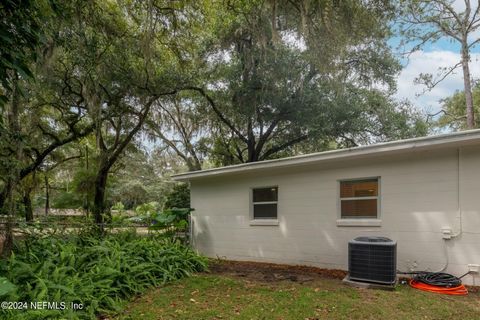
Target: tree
<point x="181" y="126"/>
<point x="118" y="60"/>
<point x="39" y="123"/>
<point x="34" y="127"/>
<point x="453" y="109"/>
<point x="60" y="166"/>
<point x="284" y="74"/>
<point x="22" y="29"/>
<point x="426" y="21"/>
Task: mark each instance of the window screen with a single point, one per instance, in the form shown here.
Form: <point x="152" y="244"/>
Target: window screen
<point x="359" y="198"/>
<point x="265" y="202"/>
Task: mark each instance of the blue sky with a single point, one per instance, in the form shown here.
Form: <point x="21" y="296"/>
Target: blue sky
<point x="433" y="56"/>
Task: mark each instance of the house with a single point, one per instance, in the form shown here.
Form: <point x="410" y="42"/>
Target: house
<point x="423" y="192"/>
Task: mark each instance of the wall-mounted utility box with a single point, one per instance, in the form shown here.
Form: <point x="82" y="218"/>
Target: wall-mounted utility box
<point x="474" y="268"/>
<point x="447" y="233"/>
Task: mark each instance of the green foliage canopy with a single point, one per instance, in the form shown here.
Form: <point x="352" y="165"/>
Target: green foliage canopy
<point x="178" y="197"/>
<point x="453" y="110"/>
<point x="276" y="76"/>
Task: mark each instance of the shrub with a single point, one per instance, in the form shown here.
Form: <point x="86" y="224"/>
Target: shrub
<point x="67" y="200"/>
<point x="170" y="222"/>
<point x="179" y="197"/>
<point x="99" y="273"/>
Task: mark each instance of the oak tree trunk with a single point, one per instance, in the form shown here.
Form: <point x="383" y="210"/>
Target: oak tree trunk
<point x="27" y="203"/>
<point x="3" y="198"/>
<point x="47" y="195"/>
<point x="99" y="198"/>
<point x="14" y="127"/>
<point x="8" y="237"/>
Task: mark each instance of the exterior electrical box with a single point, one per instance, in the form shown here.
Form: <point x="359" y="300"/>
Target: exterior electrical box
<point x="372" y="259"/>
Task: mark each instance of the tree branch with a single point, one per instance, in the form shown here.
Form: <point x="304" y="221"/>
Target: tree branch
<point x="220" y="115"/>
<point x="283" y="146"/>
<point x="111" y="160"/>
<point x="63" y="161"/>
<point x="39" y="160"/>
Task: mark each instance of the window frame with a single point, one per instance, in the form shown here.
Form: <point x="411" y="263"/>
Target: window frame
<point x="265" y="221"/>
<point x="378" y="197"/>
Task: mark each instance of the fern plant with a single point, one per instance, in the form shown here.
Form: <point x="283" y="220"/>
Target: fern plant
<point x="97" y="273"/>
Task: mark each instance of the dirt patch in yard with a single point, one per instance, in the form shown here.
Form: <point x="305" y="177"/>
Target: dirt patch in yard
<point x="271" y="272"/>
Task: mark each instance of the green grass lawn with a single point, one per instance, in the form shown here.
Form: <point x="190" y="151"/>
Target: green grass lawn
<point x="216" y="296"/>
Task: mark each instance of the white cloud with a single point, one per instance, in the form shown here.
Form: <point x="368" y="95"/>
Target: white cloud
<point x="430" y="62"/>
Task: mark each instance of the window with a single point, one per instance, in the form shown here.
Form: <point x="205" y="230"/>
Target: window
<point x="359" y="199"/>
<point x="264" y="202"/>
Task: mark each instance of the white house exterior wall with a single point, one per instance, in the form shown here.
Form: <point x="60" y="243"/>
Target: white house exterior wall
<point x="420" y="193"/>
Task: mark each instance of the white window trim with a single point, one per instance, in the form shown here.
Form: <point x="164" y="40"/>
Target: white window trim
<point x="264" y="202"/>
<point x="361" y="221"/>
<point x="263" y="222"/>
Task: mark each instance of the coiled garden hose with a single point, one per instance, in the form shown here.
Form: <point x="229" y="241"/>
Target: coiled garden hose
<point x="439" y="282"/>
